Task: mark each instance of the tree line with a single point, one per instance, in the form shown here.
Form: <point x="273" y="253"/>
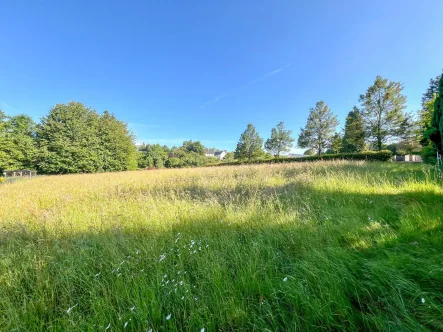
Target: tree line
<point x="379" y="123"/>
<point x="74" y="138"/>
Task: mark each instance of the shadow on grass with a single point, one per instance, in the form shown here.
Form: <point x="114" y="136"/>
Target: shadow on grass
<point x="352" y="261"/>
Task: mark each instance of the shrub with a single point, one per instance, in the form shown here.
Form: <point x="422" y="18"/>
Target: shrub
<point x="384" y="155"/>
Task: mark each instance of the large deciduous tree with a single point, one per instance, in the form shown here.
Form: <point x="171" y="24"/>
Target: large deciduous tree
<point x="280" y="140"/>
<point x="319" y="128"/>
<point x="118" y="151"/>
<point x="250" y="144"/>
<point x="383" y="107"/>
<point x="354" y="136"/>
<point x="74" y="138"/>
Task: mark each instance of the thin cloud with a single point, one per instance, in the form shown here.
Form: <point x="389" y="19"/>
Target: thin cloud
<point x="7" y="107"/>
<point x="262" y="78"/>
<point x="179" y="141"/>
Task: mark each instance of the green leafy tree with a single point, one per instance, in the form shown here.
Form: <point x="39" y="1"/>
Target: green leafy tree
<point x="229" y="157"/>
<point x="153" y="155"/>
<point x="68" y="140"/>
<point x="196" y="147"/>
<point x="117" y="147"/>
<point x="74" y="138"/>
<point x="280" y="141"/>
<point x="336" y="143"/>
<point x="435" y="131"/>
<point x="354" y="136"/>
<point x="250" y="144"/>
<point x="424" y="120"/>
<point x="17" y="144"/>
<point x="319" y="129"/>
<point x="383" y="107"/>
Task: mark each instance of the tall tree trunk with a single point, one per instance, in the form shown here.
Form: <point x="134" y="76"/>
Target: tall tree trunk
<point x="379" y="143"/>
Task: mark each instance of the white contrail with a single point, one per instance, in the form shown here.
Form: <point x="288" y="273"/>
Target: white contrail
<point x="271" y="73"/>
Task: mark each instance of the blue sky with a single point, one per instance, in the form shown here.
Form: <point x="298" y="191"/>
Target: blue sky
<point x="203" y="70"/>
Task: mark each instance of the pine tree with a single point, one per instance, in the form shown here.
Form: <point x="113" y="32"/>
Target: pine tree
<point x="354" y="137"/>
<point x="319" y="128"/>
<point x="280" y="141"/>
<point x="383" y="110"/>
<point x="250" y="144"/>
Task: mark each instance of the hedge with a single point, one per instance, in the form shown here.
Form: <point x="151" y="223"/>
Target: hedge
<point x="384" y="155"/>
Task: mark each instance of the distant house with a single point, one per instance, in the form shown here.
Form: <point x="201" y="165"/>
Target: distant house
<point x="24" y="173"/>
<point x="216" y="153"/>
<point x="220" y="154"/>
<point x="210" y="152"/>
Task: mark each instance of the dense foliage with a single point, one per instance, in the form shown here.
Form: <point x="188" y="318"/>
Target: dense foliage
<point x="72" y="138"/>
<point x="17" y="143"/>
<point x="190" y="154"/>
<point x="354" y="136"/>
<point x="435" y="131"/>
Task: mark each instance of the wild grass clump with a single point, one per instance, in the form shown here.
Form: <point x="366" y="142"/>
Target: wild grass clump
<point x="318" y="246"/>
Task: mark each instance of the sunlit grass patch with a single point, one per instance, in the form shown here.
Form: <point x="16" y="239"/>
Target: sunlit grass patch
<point x="326" y="245"/>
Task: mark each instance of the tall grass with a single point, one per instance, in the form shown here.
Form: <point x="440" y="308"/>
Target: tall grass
<point x="318" y="246"/>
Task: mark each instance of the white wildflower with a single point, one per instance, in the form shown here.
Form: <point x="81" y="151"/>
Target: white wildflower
<point x="132" y="309"/>
<point x="162" y="257"/>
<point x="202" y="330"/>
<point x="285" y="279"/>
<point x="423" y="300"/>
<point x="126" y="324"/>
<point x="97" y="274"/>
<point x="69" y="310"/>
<point x="183" y="297"/>
<point x="168" y="317"/>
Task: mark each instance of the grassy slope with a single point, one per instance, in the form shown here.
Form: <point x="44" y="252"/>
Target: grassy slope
<point x="327" y="245"/>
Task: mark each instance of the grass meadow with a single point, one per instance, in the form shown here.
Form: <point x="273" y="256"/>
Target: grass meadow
<point x="306" y="246"/>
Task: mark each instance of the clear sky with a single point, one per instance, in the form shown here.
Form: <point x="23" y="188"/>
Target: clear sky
<point x="203" y="70"/>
